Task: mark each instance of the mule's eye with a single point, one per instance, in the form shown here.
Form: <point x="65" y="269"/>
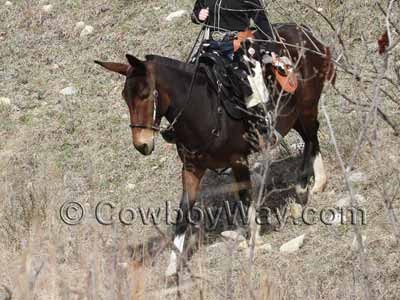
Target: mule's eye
<point x="144" y="93"/>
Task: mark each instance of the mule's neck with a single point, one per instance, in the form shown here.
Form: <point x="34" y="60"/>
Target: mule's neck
<point x="195" y="114"/>
<point x="174" y="85"/>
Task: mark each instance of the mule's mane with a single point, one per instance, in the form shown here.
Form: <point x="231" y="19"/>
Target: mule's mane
<point x="171" y="63"/>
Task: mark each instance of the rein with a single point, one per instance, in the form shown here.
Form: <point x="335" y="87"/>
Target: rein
<point x="187" y="101"/>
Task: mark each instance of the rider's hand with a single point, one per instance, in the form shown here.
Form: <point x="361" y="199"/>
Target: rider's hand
<point x="203" y="15"/>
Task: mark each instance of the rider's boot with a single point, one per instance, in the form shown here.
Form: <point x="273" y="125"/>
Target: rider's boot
<point x="169" y="135"/>
<point x="263" y="121"/>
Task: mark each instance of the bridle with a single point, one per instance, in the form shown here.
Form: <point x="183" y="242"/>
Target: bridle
<point x="155" y="124"/>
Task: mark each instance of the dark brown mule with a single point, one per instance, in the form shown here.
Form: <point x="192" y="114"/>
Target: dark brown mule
<point x="207" y="138"/>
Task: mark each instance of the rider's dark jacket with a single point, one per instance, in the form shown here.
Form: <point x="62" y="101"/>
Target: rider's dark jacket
<point x="233" y="15"/>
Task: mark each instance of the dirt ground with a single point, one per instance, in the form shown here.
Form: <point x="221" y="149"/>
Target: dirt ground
<point x="56" y="148"/>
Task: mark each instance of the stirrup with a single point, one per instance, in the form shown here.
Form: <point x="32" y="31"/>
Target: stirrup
<point x="269" y="141"/>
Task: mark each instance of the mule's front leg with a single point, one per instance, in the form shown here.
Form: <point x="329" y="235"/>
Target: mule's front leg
<point x="241" y="173"/>
<point x="191" y="178"/>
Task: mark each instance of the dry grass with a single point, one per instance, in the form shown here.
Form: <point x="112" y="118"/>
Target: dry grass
<point x="55" y="149"/>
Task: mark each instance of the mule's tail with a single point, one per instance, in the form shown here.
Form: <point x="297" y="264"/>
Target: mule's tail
<point x="328" y="67"/>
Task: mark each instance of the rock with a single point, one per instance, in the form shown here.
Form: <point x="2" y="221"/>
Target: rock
<point x="346" y="201"/>
<point x="176" y="14"/>
<point x="87" y="30"/>
<point x="293" y="245"/>
<point x="8" y="3"/>
<point x="5" y="101"/>
<point x="131" y="186"/>
<point x="355" y="246"/>
<point x="79" y="25"/>
<point x="357" y="177"/>
<point x="47" y="8"/>
<point x="295" y="210"/>
<point x="69" y="91"/>
<point x="233" y="235"/>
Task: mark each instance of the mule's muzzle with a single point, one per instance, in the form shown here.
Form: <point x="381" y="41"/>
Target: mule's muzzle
<point x="143" y="140"/>
<point x="145" y="149"/>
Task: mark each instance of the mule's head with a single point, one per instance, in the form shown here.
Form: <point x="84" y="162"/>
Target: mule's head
<point x="141" y="96"/>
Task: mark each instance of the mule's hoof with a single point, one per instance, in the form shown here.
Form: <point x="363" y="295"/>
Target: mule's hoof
<point x="302" y="195"/>
<point x="233" y="236"/>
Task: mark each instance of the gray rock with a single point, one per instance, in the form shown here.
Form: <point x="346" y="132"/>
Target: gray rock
<point x="293" y="245"/>
<point x="176" y="14"/>
<point x="8" y="3"/>
<point x="131" y="186"/>
<point x="233" y="235"/>
<point x="79" y="25"/>
<point x="87" y="30"/>
<point x="47" y="8"/>
<point x="69" y="91"/>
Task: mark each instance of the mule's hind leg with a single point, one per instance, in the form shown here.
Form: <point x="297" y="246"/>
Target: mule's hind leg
<point x="320" y="177"/>
<point x="191" y="179"/>
<point x="312" y="163"/>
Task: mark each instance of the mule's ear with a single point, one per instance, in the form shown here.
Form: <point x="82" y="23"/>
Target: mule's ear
<point x="137" y="65"/>
<point x="114" y="67"/>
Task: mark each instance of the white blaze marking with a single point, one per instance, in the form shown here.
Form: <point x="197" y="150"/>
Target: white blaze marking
<point x="172" y="267"/>
<point x="319" y="174"/>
